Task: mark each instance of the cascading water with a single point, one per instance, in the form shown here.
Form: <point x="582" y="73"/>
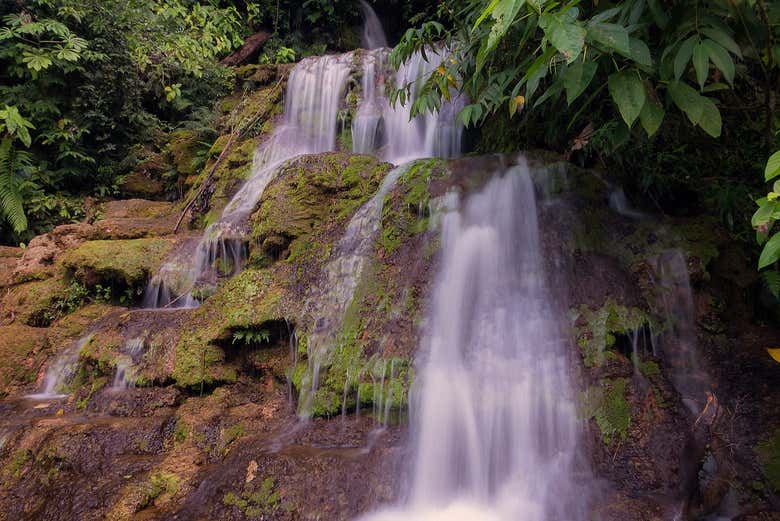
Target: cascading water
<point x="389" y="130"/>
<point x="343" y="274"/>
<point x="124" y="377"/>
<point x="494" y="423"/>
<point x="373" y="35"/>
<point x="61" y="371"/>
<point x="678" y="340"/>
<point x="315" y="91"/>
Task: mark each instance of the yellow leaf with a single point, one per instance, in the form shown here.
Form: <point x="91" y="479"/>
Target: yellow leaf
<point x="772" y="196"/>
<point x="774" y="353"/>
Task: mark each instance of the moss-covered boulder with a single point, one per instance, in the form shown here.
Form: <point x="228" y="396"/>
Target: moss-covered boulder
<point x="19" y="363"/>
<point x="253" y="298"/>
<point x="117" y="264"/>
<point x="309" y="193"/>
<point x="134" y="218"/>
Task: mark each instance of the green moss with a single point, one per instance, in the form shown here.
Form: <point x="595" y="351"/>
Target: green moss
<point x="184" y="147"/>
<point x="160" y="485"/>
<point x="96" y="385"/>
<point x="247" y="301"/>
<point x="768" y="452"/>
<point x="117" y="263"/>
<point x="19" y="459"/>
<point x="310" y="194"/>
<point x="19" y="345"/>
<point x="406" y="209"/>
<point x="650" y="369"/>
<point x="596" y="329"/>
<point x="607" y="405"/>
<point x="232" y="433"/>
<point x="261" y="502"/>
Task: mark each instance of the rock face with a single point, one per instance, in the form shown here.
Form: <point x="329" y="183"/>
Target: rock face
<point x="325" y="321"/>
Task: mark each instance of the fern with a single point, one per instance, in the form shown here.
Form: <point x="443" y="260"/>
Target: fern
<point x="772" y="281"/>
<point x="12" y="163"/>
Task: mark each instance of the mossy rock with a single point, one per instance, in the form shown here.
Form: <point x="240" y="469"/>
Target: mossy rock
<point x="117" y="264"/>
<point x="608" y="406"/>
<point x="310" y="192"/>
<point x="34" y="303"/>
<point x="248" y="300"/>
<point x="596" y="329"/>
<point x="19" y="361"/>
<point x="406" y="210"/>
<point x="183" y="149"/>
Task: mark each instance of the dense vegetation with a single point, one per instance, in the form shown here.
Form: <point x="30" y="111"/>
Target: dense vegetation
<point x="678" y="95"/>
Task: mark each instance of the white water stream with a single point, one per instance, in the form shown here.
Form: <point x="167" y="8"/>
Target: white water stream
<point x="494" y="426"/>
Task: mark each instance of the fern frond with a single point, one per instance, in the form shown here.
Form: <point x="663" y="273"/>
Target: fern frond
<point x="11" y="205"/>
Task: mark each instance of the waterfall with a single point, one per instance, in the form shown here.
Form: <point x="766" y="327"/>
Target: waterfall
<point x="373" y="35"/>
<point x="389" y="130"/>
<point x="124" y="377"/>
<point x="342" y="276"/>
<point x="494" y="425"/>
<point x="315" y="91"/>
<point x="678" y="341"/>
<point x="432" y="134"/>
<point x="61" y="371"/>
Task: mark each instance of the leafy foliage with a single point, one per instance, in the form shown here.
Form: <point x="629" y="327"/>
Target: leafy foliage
<point x="654" y="57"/>
<point x="251" y="336"/>
<point x="764" y="220"/>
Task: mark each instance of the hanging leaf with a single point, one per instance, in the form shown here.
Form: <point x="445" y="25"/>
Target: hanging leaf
<point x="639" y="52"/>
<point x="720" y="57"/>
<point x="629" y="94"/>
<point x="701" y="63"/>
<point x="771" y="252"/>
<point x="686" y="100"/>
<point x="577" y="78"/>
<point x="613" y="36"/>
<point x="567" y="36"/>
<point x="723" y="39"/>
<point x="504" y="13"/>
<point x="763" y="215"/>
<point x="652" y="116"/>
<point x="683" y="56"/>
<point x="772" y="169"/>
<point x="711" y="121"/>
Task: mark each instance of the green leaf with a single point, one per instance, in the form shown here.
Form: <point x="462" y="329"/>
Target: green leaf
<point x="772" y="169"/>
<point x="613" y="36"/>
<point x="577" y="78"/>
<point x="687" y="99"/>
<point x="629" y="94"/>
<point x="488" y="10"/>
<point x="567" y="36"/>
<point x="723" y="39"/>
<point x="683" y="56"/>
<point x="720" y="57"/>
<point x="652" y="116"/>
<point x="771" y="252"/>
<point x="701" y="63"/>
<point x="639" y="52"/>
<point x="711" y="121"/>
<point x="504" y="13"/>
<point x="763" y="215"/>
<point x="36" y="62"/>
